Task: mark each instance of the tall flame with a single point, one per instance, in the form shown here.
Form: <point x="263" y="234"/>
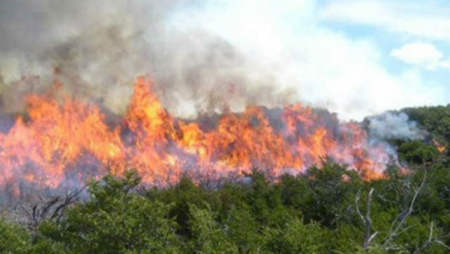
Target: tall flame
<point x="65" y="142"/>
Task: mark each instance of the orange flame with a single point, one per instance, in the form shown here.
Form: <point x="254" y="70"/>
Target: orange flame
<point x="441" y="148"/>
<point x="71" y="141"/>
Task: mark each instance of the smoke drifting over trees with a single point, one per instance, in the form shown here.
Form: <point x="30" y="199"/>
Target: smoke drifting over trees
<point x="394" y="126"/>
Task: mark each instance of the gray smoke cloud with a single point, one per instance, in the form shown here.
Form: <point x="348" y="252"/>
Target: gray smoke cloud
<point x="392" y="125"/>
<point x="97" y="49"/>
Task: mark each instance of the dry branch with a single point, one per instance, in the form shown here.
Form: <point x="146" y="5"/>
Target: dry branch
<point x="400" y="220"/>
<point x="367" y="219"/>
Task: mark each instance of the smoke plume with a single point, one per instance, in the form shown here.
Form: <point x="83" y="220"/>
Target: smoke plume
<point x="97" y="48"/>
<point x="393" y="125"/>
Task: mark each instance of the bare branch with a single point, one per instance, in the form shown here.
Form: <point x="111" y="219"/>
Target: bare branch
<point x="52" y="209"/>
<point x="428" y="242"/>
<point x="367" y="219"/>
<point x="357" y="198"/>
<point x="403" y="216"/>
<point x="442" y="244"/>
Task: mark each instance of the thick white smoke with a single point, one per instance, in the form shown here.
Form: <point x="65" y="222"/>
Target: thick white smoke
<point x="97" y="49"/>
<point x="391" y="125"/>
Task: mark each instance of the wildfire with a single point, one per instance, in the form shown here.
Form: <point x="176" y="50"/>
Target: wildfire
<point x="70" y="141"/>
<point x="441" y="148"/>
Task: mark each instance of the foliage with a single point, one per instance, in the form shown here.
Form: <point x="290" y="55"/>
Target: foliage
<point x="13" y="238"/>
<point x="434" y="119"/>
<point x="117" y="220"/>
<point x="296" y="237"/>
<point x="418" y="153"/>
<point x="312" y="213"/>
<point x="329" y="209"/>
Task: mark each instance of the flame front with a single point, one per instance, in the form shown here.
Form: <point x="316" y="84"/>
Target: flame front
<point x="59" y="143"/>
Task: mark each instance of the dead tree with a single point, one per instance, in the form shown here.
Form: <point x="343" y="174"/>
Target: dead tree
<point x="52" y="209"/>
<point x="431" y="240"/>
<point x="399" y="222"/>
<point x="366" y="219"/>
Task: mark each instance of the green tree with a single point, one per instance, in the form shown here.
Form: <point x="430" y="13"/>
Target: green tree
<point x="13" y="238"/>
<point x="332" y="188"/>
<point x="418" y="153"/>
<point x="207" y="235"/>
<point x="116" y="220"/>
<point x="295" y="237"/>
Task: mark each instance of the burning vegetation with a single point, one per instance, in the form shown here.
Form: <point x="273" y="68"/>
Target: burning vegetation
<point x="214" y="153"/>
<point x="62" y="142"/>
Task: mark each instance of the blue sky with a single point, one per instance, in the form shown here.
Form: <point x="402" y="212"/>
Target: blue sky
<point x="356" y="57"/>
<point x="416" y="29"/>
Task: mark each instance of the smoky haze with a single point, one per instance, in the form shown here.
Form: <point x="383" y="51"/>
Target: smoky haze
<point x="394" y="125"/>
<point x="98" y="48"/>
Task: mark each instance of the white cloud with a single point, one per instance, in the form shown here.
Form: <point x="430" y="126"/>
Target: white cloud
<point x="418" y="53"/>
<point x="327" y="67"/>
<point x="417" y="18"/>
<point x="445" y="64"/>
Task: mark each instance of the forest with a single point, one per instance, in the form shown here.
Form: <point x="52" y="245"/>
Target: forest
<point x="329" y="209"/>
